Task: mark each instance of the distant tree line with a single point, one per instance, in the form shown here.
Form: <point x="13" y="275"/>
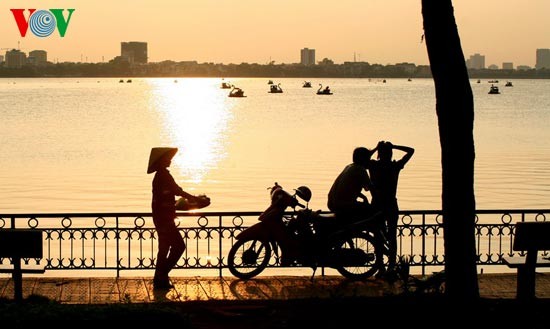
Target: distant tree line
<point x="122" y="68"/>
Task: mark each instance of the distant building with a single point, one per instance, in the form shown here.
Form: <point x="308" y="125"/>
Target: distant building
<point x="523" y="68"/>
<point x="543" y="59"/>
<point x="134" y="52"/>
<point x="493" y="67"/>
<point x="37" y="57"/>
<point x="307" y="56"/>
<point x="1" y="59"/>
<point x="476" y="61"/>
<point x="406" y="67"/>
<point x="15" y="58"/>
<point x="507" y="66"/>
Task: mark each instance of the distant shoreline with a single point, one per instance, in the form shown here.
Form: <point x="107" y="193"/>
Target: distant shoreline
<point x="170" y="69"/>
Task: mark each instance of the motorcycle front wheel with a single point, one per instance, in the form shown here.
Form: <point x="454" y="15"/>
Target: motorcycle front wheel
<point x="248" y="258"/>
<point x="362" y="263"/>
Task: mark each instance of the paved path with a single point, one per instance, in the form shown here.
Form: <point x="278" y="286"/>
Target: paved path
<point x="101" y="290"/>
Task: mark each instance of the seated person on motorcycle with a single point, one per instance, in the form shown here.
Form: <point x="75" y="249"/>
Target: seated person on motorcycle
<point x="273" y="217"/>
<point x="347" y="201"/>
<point x="345" y="197"/>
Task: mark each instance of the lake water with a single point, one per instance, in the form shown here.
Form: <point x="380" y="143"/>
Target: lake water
<point x="82" y="144"/>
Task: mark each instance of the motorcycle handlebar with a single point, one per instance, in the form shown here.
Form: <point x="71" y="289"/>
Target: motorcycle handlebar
<point x="300" y="205"/>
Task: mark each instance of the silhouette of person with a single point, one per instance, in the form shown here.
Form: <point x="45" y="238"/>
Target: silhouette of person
<point x="347" y="201"/>
<point x="384" y="173"/>
<point x="346" y="198"/>
<point x="170" y="243"/>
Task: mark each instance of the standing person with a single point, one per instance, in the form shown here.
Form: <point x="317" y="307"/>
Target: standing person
<point x="170" y="242"/>
<point x="384" y="173"/>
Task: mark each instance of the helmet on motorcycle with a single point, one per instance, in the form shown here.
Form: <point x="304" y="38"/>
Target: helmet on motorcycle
<point x="304" y="193"/>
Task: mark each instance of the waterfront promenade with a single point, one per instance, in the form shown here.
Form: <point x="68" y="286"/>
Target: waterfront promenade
<point x="272" y="302"/>
<point x="106" y="290"/>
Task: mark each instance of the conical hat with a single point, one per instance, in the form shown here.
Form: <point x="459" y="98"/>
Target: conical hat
<point x="156" y="154"/>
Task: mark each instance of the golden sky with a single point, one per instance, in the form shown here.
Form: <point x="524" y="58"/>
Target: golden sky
<point x="257" y="31"/>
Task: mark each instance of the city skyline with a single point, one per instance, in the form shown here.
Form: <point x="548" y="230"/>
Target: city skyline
<point x="39" y="56"/>
<point x="249" y="32"/>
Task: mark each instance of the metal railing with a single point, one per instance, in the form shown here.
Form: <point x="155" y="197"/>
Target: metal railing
<point x="127" y="241"/>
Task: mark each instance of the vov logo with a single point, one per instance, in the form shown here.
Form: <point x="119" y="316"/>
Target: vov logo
<point x="42" y="23"/>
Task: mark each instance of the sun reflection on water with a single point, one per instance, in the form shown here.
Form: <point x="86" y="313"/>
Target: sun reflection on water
<point x="195" y="116"/>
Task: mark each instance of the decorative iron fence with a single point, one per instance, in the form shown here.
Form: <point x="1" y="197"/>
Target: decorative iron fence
<point x="127" y="241"/>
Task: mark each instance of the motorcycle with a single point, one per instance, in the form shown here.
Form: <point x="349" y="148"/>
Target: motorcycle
<point x="306" y="238"/>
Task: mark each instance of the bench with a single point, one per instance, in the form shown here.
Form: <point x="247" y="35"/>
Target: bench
<point x="18" y="244"/>
<point x="530" y="237"/>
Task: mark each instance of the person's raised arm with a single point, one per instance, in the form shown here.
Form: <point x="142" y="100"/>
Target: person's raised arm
<point x="409" y="151"/>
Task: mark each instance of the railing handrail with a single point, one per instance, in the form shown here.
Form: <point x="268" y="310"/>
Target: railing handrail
<point x="127" y="240"/>
<point x="249" y="213"/>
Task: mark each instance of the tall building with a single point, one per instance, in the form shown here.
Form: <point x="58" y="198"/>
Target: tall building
<point x="134" y="52"/>
<point x="307" y="56"/>
<point x="476" y="61"/>
<point x="507" y="66"/>
<point x="1" y="59"/>
<point x="15" y="58"/>
<point x="543" y="59"/>
<point x="37" y="57"/>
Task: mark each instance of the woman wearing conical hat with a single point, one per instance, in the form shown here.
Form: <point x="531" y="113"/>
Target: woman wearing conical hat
<point x="165" y="189"/>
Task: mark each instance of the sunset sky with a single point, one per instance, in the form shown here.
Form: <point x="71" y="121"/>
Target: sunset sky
<point x="252" y="31"/>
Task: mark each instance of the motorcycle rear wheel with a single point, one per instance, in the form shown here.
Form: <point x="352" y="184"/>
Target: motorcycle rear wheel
<point x="365" y="243"/>
<point x="248" y="258"/>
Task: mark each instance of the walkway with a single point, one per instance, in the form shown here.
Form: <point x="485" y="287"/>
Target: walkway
<point x="103" y="290"/>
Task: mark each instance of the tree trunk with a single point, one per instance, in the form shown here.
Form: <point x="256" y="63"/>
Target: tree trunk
<point x="455" y="113"/>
